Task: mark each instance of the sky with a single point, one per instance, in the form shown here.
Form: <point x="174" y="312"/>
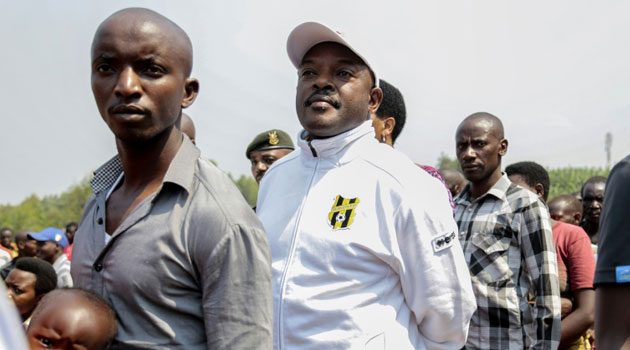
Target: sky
<point x="555" y="72"/>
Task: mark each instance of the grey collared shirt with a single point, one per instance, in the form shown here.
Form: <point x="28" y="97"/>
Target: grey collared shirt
<point x="189" y="268"/>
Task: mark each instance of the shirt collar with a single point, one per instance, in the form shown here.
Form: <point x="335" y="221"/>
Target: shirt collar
<point x="333" y="146"/>
<point x="60" y="260"/>
<point x="106" y="175"/>
<point x="498" y="190"/>
<point x="180" y="171"/>
<point x="182" y="168"/>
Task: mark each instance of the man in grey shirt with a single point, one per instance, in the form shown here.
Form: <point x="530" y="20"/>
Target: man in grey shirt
<point x="166" y="237"/>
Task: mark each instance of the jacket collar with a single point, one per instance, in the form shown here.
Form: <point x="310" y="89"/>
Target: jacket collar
<point x="180" y="171"/>
<point x="333" y="147"/>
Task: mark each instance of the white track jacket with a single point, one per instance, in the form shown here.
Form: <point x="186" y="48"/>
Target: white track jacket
<point x="364" y="250"/>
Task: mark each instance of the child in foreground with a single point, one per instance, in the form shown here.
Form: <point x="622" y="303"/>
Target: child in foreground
<point x="66" y="318"/>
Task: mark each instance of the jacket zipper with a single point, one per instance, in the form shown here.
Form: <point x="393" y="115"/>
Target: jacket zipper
<point x="312" y="150"/>
<point x="292" y="251"/>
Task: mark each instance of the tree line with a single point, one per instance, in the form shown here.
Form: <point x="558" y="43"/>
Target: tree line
<point x="35" y="213"/>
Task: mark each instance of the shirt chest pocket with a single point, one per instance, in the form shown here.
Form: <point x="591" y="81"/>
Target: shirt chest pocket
<point x="489" y="259"/>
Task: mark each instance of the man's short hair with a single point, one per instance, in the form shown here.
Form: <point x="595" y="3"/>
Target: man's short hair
<point x="71" y="224"/>
<point x="532" y="173"/>
<point x="571" y="202"/>
<point x="592" y="180"/>
<point x="393" y="105"/>
<point x="43" y="271"/>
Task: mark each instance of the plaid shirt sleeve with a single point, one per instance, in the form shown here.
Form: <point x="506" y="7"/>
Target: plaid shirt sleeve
<point x="539" y="255"/>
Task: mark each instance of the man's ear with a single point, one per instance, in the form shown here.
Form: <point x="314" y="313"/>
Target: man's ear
<point x="191" y="89"/>
<point x="456" y="188"/>
<point x="540" y="190"/>
<point x="577" y="217"/>
<point x="376" y="97"/>
<point x="503" y="144"/>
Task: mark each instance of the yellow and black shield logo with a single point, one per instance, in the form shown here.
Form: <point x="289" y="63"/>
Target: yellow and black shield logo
<point x="342" y="213"/>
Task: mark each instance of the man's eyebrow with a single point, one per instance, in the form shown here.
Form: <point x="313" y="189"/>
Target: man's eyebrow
<point x="104" y="56"/>
<point x="307" y="61"/>
<point x="150" y="58"/>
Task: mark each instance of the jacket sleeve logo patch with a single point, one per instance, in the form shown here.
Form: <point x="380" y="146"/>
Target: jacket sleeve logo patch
<point x="342" y="213"/>
<point x="443" y="242"/>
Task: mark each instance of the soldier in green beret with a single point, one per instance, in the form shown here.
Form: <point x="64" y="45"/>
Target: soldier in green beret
<point x="266" y="148"/>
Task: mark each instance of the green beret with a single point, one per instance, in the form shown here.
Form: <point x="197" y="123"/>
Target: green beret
<point x="271" y="139"/>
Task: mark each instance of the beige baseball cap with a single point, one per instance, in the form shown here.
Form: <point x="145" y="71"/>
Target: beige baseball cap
<point x="308" y="34"/>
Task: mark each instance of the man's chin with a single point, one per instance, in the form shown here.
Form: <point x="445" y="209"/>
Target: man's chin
<point x="472" y="175"/>
<point x="320" y="125"/>
<point x="592" y="219"/>
<point x="135" y="135"/>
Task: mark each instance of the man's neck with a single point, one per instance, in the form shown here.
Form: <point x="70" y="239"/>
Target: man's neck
<point x="310" y="136"/>
<point x="146" y="162"/>
<point x="592" y="229"/>
<point x="479" y="188"/>
<point x="56" y="256"/>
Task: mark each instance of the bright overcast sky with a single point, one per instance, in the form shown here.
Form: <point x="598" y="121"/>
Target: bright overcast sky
<point x="555" y="72"/>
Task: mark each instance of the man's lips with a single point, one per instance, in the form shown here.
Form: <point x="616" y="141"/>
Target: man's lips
<point x="321" y="100"/>
<point x="126" y="111"/>
<point x="470" y="166"/>
<point x="595" y="213"/>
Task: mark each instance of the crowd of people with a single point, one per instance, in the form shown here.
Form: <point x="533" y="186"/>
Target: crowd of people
<point x="350" y="246"/>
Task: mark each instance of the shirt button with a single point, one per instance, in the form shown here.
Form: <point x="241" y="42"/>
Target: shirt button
<point x="98" y="267"/>
<point x="99" y="221"/>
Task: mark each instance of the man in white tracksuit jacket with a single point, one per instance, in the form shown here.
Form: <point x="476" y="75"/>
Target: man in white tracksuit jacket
<point x="364" y="248"/>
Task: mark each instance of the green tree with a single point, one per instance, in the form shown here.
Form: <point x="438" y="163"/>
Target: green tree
<point x="57" y="210"/>
<point x="569" y="180"/>
<point x="246" y="184"/>
<point x="35" y="214"/>
<point x="248" y="187"/>
<point x="446" y="162"/>
<point x="28" y="214"/>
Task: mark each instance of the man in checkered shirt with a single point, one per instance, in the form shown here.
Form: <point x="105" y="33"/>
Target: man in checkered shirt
<point x="507" y="241"/>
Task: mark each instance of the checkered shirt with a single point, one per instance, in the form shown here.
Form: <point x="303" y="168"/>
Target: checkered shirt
<point x="508" y="245"/>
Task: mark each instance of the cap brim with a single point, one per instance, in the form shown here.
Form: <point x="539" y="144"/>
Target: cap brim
<point x="38" y="236"/>
<point x="308" y="34"/>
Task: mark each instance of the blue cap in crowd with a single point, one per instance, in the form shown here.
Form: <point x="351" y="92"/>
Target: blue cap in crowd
<point x="50" y="234"/>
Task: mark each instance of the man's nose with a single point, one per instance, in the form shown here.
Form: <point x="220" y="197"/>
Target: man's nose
<point x="261" y="166"/>
<point x="128" y="83"/>
<point x="469" y="153"/>
<point x="323" y="82"/>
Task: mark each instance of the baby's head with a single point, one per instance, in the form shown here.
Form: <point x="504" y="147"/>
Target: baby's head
<point x="68" y="317"/>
